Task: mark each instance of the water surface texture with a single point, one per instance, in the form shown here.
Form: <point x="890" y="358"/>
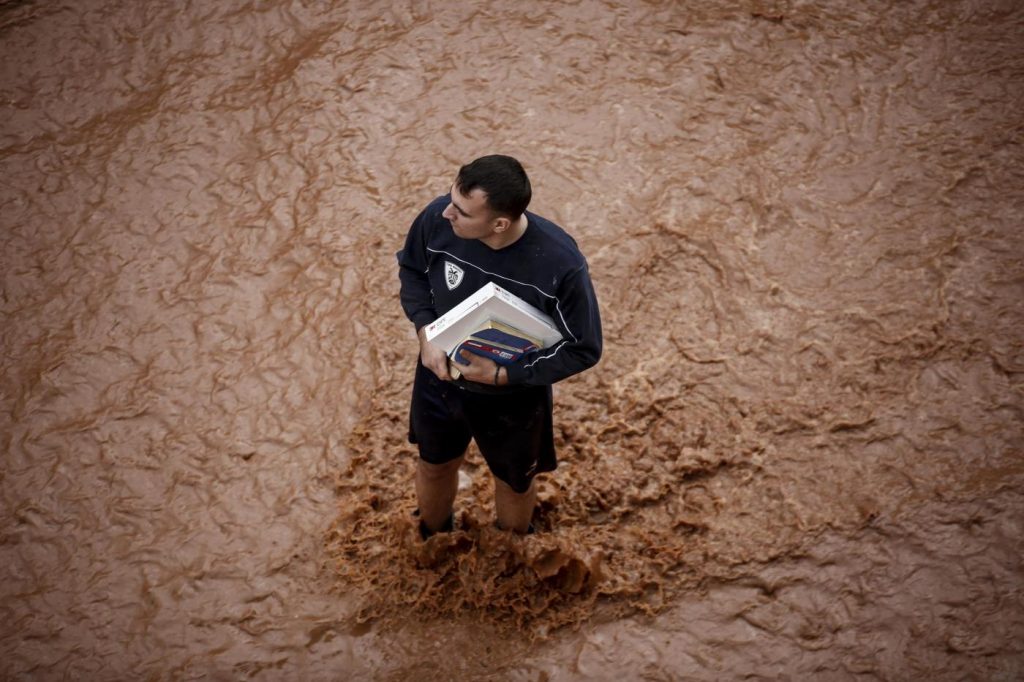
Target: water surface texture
<point x="802" y="455"/>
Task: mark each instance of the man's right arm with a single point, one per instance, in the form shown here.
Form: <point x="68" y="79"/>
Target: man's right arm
<point x="416" y="295"/>
<point x="417" y="298"/>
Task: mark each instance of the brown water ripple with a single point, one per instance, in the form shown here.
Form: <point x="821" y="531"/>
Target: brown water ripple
<point x="802" y="448"/>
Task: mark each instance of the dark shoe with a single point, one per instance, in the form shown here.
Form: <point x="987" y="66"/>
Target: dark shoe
<point x="425" y="532"/>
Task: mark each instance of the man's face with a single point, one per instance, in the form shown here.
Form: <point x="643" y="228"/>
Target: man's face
<point x="470" y="216"/>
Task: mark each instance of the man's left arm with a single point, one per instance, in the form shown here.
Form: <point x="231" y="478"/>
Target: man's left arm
<point x="579" y="320"/>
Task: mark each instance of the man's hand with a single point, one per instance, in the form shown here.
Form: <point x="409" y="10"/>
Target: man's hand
<point x="433" y="357"/>
<point x="480" y="369"/>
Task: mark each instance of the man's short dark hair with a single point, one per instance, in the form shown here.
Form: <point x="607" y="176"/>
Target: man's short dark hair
<point x="502" y="179"/>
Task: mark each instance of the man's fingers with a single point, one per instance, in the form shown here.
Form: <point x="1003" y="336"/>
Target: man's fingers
<point x="441" y="370"/>
<point x="436" y="361"/>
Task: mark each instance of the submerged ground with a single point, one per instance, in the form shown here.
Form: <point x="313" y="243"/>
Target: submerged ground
<point x="802" y="454"/>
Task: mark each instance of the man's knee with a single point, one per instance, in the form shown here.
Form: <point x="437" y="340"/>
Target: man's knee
<point x="439" y="472"/>
<point x="504" y="488"/>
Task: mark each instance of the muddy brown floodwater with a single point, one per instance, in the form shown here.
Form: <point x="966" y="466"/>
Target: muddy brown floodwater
<point x="801" y="457"/>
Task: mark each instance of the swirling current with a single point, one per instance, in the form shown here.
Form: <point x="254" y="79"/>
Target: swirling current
<point x="801" y="457"/>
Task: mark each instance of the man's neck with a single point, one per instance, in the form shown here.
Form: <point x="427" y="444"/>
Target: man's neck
<point x="510" y="236"/>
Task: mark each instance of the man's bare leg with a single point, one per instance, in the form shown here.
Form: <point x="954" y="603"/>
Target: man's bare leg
<point x="436" y="485"/>
<point x="514" y="510"/>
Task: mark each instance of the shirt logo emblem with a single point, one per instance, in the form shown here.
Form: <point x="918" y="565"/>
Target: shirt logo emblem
<point x="452" y="275"/>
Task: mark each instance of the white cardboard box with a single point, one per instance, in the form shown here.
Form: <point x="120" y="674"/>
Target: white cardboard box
<point x="491" y="302"/>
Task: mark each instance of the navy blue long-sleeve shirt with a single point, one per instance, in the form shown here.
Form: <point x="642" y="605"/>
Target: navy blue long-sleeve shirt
<point x="544" y="267"/>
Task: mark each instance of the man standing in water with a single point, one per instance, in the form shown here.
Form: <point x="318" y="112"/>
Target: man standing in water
<point x="479" y="233"/>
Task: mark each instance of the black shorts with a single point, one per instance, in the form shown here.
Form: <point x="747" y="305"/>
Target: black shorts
<point x="513" y="430"/>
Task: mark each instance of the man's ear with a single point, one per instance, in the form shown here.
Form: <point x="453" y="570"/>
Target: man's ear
<point x="502" y="223"/>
